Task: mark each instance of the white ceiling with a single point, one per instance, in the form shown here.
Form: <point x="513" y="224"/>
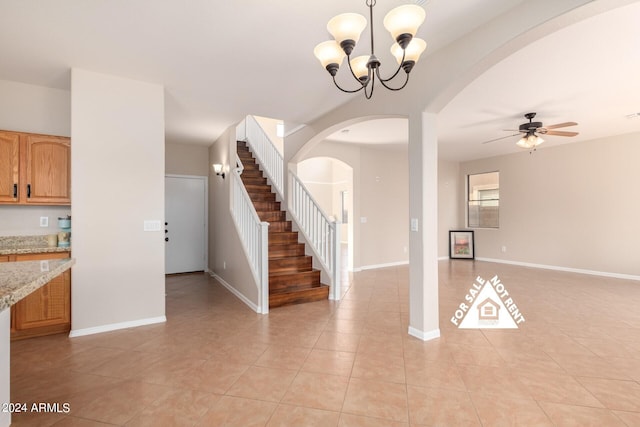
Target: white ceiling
<point x="220" y="60"/>
<point x="588" y="73"/>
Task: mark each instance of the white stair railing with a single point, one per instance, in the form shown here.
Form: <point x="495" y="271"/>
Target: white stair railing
<point x="266" y="152"/>
<point x="254" y="235"/>
<point x="322" y="234"/>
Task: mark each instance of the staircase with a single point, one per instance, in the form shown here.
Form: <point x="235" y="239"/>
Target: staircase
<point x="292" y="279"/>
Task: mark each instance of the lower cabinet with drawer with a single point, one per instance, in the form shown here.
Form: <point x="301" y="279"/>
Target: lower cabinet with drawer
<point x="47" y="310"/>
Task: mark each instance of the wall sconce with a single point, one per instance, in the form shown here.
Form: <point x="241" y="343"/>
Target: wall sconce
<point x="217" y="167"/>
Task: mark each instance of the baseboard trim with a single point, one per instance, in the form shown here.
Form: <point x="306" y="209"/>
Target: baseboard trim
<point x="236" y="292"/>
<point x="116" y="326"/>
<point x="559" y="268"/>
<point x="424" y="336"/>
<point x="375" y="266"/>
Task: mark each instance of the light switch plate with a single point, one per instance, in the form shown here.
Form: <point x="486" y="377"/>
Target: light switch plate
<point x="44" y="221"/>
<point x="414" y="224"/>
<point x="152" y="225"/>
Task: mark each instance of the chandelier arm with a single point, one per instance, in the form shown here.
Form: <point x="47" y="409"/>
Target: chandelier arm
<point x="372" y="79"/>
<point x="346" y="90"/>
<point x="383" y="81"/>
<point x="393" y="88"/>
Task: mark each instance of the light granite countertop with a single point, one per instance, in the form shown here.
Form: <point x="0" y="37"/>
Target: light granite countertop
<point x="19" y="279"/>
<point x="18" y="245"/>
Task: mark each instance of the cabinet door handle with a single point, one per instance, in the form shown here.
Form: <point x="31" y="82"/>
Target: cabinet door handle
<point x="28" y="191"/>
<point x="166" y="239"/>
<point x="15" y="191"/>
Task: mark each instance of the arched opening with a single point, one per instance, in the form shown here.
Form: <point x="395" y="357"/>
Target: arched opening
<point x="376" y="152"/>
<point x="330" y="181"/>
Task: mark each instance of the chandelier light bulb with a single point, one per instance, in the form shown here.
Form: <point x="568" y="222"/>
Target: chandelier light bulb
<point x="404" y="20"/>
<point x="359" y="67"/>
<point x="412" y="51"/>
<point x="347" y="26"/>
<point x="329" y="52"/>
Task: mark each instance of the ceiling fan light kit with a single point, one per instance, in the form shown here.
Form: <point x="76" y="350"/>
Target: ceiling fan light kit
<point x="402" y="23"/>
<point x="529" y="141"/>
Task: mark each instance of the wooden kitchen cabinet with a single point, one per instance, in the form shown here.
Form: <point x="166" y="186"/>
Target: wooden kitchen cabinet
<point x="48" y="309"/>
<point x="9" y="166"/>
<point x="34" y="169"/>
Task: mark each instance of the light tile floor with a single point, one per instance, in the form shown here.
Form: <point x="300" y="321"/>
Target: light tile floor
<point x="574" y="362"/>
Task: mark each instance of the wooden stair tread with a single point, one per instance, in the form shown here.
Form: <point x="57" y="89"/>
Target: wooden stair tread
<point x="279" y="299"/>
<point x="291" y="273"/>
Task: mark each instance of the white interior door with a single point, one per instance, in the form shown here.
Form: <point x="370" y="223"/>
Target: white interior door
<point x="185" y="224"/>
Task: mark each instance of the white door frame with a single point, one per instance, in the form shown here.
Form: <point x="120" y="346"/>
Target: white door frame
<point x="205" y="179"/>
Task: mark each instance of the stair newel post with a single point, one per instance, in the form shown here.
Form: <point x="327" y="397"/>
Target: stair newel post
<point x="264" y="271"/>
<point x="337" y="258"/>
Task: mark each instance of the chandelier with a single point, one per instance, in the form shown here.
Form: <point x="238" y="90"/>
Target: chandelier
<point x="402" y="22"/>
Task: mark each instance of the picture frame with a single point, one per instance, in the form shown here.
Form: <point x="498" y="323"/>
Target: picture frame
<point x="461" y="244"/>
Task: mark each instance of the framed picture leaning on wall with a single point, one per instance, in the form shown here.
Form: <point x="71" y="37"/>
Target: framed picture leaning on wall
<point x="461" y="245"/>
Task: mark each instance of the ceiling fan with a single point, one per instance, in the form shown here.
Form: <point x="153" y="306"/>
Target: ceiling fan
<point x="531" y="132"/>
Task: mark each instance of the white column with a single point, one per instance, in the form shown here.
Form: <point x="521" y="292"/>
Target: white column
<point x="5" y="366"/>
<point x="118" y="166"/>
<point x="423" y="237"/>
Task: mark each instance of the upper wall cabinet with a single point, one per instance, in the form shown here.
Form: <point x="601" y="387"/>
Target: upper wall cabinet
<point x="34" y="169"/>
<point x="9" y="166"/>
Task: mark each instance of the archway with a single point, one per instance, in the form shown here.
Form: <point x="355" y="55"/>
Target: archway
<point x="330" y="181"/>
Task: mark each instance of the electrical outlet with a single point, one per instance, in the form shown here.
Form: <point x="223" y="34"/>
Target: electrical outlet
<point x="224" y="265"/>
<point x="44" y="221"/>
<point x="414" y="224"/>
<point x="363" y="220"/>
<point x="504" y="249"/>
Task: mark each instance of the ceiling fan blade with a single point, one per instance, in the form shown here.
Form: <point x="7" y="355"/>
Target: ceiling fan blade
<point x="561" y="125"/>
<point x="561" y="133"/>
<point x="498" y="139"/>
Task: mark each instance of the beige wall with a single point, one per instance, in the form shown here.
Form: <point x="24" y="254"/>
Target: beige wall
<point x="186" y="159"/>
<point x="25" y="220"/>
<point x="570" y="206"/>
<point x="117" y="156"/>
<point x="317" y="175"/>
<point x="269" y="126"/>
<point x="384" y="202"/>
<point x="37" y="109"/>
<point x="226" y="255"/>
<point x="381" y="195"/>
<point x="449" y="190"/>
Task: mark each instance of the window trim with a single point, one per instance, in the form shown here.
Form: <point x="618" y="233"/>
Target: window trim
<point x="468" y="201"/>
